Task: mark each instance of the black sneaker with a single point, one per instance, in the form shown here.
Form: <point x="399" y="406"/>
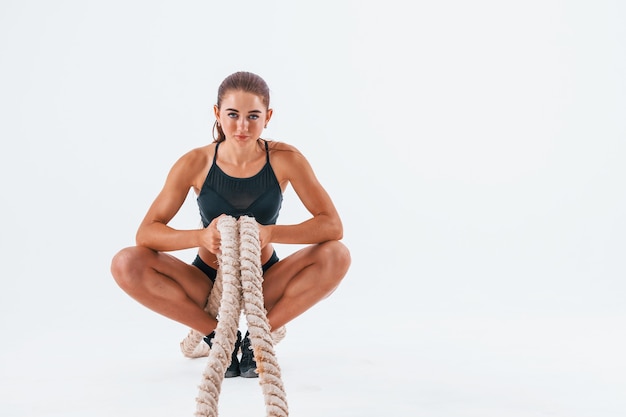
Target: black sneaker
<point x="233" y="369"/>
<point x="247" y="365"/>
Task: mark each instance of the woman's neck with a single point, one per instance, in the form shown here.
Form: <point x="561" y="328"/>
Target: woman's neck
<point x="240" y="154"/>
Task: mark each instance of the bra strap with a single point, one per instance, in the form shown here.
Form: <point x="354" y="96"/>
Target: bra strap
<point x="217" y="145"/>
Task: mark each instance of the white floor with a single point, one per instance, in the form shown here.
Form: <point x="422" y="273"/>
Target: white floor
<point x="114" y="358"/>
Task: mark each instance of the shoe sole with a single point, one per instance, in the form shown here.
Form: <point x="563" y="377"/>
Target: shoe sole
<point x="249" y="374"/>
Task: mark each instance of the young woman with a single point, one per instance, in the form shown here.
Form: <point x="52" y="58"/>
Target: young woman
<point x="238" y="174"/>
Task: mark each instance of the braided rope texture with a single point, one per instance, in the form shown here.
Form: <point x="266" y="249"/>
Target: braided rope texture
<point x="192" y="346"/>
<point x="241" y="286"/>
<point x="256" y="316"/>
<point x="227" y="325"/>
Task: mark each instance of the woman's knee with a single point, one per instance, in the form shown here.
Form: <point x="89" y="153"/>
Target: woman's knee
<point x="335" y="260"/>
<point x="127" y="266"/>
<point x="336" y="255"/>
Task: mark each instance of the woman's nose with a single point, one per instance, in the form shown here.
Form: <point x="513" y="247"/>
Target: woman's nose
<point x="242" y="124"/>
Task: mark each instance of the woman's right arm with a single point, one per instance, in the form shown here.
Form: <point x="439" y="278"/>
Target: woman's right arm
<point x="154" y="231"/>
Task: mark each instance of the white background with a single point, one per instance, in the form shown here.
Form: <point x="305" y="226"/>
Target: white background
<point x="475" y="151"/>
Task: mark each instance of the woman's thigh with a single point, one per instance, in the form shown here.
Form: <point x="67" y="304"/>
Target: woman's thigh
<point x="138" y="266"/>
<point x="331" y="260"/>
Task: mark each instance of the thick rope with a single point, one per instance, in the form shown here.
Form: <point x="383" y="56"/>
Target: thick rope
<point x="242" y="286"/>
<point x="256" y="315"/>
<point x="228" y="323"/>
<point x="193" y="346"/>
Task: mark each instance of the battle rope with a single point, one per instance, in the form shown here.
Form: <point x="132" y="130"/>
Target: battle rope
<point x="192" y="346"/>
<point x="239" y="281"/>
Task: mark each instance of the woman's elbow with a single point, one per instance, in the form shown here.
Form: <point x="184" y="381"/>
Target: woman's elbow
<point x="141" y="238"/>
<point x="336" y="230"/>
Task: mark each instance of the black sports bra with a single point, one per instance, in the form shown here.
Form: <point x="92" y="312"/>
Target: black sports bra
<point x="258" y="196"/>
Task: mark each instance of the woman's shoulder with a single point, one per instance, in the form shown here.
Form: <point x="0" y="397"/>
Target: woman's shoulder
<point x="283" y="150"/>
<point x="287" y="160"/>
<point x="190" y="169"/>
<point x="194" y="162"/>
<point x="199" y="155"/>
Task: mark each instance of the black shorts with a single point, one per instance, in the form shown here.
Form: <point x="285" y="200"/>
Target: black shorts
<point x="212" y="272"/>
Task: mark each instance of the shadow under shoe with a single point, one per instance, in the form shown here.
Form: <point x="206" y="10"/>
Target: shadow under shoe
<point x="247" y="365"/>
<point x="233" y="369"/>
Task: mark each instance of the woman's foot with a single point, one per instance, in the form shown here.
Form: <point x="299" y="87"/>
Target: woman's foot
<point x="247" y="366"/>
<point x="234" y="368"/>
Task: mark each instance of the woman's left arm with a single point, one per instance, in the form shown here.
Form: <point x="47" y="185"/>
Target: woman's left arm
<point x="325" y="224"/>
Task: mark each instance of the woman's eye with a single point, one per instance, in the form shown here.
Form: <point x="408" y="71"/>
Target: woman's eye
<point x="254" y="116"/>
<point x="232" y="115"/>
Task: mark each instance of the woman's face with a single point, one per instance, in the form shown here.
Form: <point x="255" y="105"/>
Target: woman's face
<point x="242" y="116"/>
